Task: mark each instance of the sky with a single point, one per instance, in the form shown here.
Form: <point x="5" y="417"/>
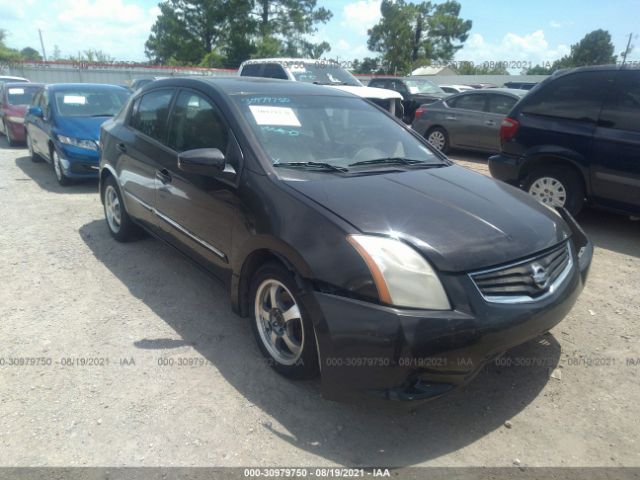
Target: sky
<point x="503" y="30"/>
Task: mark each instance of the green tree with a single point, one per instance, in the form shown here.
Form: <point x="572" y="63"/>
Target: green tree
<point x="31" y="54"/>
<point x="368" y="65"/>
<point x="409" y="34"/>
<point x="595" y="48"/>
<point x="226" y="32"/>
<point x="7" y="55"/>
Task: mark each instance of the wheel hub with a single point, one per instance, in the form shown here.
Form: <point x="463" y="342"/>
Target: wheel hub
<point x="276" y="321"/>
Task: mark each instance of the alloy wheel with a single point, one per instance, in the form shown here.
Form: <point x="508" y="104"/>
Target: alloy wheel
<point x="57" y="166"/>
<point x="279" y="322"/>
<point x="112" y="208"/>
<point x="436" y="138"/>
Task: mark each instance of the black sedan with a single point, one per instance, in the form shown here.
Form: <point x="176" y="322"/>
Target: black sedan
<point x="358" y="252"/>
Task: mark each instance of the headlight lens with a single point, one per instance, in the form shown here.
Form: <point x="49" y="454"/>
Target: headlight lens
<point x="76" y="142"/>
<point x="13" y="119"/>
<point x="402" y="276"/>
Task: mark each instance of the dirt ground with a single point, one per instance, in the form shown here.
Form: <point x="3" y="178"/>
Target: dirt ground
<point x="129" y="355"/>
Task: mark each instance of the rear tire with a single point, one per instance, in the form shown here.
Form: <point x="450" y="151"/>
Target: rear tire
<point x="34" y="156"/>
<point x="556" y="186"/>
<point x="438" y="138"/>
<point x="119" y="223"/>
<point x="281" y="324"/>
<point x="5" y="129"/>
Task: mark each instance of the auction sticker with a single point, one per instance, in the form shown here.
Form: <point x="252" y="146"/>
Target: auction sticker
<point x="267" y="115"/>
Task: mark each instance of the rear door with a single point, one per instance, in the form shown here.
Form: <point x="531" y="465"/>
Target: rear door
<point x="143" y="150"/>
<point x="464" y="119"/>
<point x="198" y="210"/>
<point x="615" y="172"/>
<point x="497" y="107"/>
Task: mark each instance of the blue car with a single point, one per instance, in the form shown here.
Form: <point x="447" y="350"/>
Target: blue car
<point x="63" y="126"/>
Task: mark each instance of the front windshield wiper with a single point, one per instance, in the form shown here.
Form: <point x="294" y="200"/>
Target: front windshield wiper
<point x="312" y="165"/>
<point x="397" y="161"/>
<point x="102" y="115"/>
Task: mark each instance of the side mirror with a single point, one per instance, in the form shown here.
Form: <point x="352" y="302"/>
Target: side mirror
<point x="36" y="112"/>
<point x="203" y="161"/>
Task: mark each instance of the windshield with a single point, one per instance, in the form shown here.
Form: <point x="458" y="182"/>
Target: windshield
<point x="336" y="131"/>
<point x="322" y="73"/>
<point x="423" y="86"/>
<point x="21" y="95"/>
<point x="90" y="103"/>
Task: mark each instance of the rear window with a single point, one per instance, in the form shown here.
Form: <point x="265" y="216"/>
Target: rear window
<point x="500" y="104"/>
<point x="468" y="102"/>
<point x="251" y="70"/>
<point x="151" y="112"/>
<point x="21" y="95"/>
<point x="576" y="96"/>
<point x="622" y="110"/>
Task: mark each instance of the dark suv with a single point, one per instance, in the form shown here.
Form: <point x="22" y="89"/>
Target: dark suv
<point x="576" y="138"/>
<point x="415" y="91"/>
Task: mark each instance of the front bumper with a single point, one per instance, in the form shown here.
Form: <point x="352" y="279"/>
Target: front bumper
<point x="373" y="351"/>
<point x="79" y="162"/>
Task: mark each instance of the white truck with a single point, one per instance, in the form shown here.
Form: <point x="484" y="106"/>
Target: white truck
<point x="321" y="72"/>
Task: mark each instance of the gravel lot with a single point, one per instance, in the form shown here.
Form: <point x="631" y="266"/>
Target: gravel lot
<point x="70" y="292"/>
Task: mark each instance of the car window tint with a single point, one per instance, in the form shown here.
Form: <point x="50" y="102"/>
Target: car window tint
<point x="273" y="70"/>
<point x="195" y="123"/>
<point x="468" y="102"/>
<point x="150" y="117"/>
<point x="251" y="70"/>
<point x="577" y="96"/>
<point x="500" y="104"/>
<point x="398" y="86"/>
<point x="44" y="104"/>
<point x="377" y="83"/>
<point x="622" y="110"/>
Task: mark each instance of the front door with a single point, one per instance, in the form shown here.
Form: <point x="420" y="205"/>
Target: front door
<point x="199" y="210"/>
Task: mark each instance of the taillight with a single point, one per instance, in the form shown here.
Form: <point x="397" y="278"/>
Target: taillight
<point x="419" y="112"/>
<point x="508" y="129"/>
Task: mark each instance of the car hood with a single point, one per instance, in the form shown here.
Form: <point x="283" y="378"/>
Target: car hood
<point x="85" y="128"/>
<point x="460" y="220"/>
<point x="368" y="92"/>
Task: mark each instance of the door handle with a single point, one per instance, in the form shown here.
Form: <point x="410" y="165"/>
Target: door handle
<point x="490" y="123"/>
<point x="163" y="175"/>
<point x="450" y="117"/>
<point x="122" y="147"/>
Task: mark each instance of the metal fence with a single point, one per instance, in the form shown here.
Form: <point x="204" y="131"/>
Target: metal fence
<point x="123" y="74"/>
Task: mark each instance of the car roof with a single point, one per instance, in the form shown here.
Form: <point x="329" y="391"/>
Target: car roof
<point x="249" y="85"/>
<point x="286" y="59"/>
<point x="486" y="91"/>
<point x="61" y="87"/>
<point x="22" y="85"/>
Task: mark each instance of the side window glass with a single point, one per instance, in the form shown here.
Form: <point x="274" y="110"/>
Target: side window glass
<point x="195" y="123"/>
<point x="273" y="70"/>
<point x="577" y="96"/>
<point x="150" y="116"/>
<point x="468" y="102"/>
<point x="251" y="70"/>
<point x="500" y="104"/>
<point x="622" y="110"/>
<point x="45" y="105"/>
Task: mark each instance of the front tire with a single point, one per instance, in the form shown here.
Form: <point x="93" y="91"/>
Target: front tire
<point x="119" y="223"/>
<point x="556" y="186"/>
<point x="281" y="324"/>
<point x="438" y="138"/>
<point x="61" y="177"/>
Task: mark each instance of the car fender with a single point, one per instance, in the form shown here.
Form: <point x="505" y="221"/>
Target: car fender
<point x="556" y="154"/>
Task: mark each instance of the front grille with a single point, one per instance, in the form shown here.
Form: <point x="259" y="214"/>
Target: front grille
<point x="528" y="280"/>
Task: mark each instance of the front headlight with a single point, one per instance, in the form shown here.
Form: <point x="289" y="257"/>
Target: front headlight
<point x="76" y="142"/>
<point x="402" y="276"/>
<point x="15" y="119"/>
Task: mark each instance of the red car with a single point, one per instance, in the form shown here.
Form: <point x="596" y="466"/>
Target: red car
<point x="14" y="100"/>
